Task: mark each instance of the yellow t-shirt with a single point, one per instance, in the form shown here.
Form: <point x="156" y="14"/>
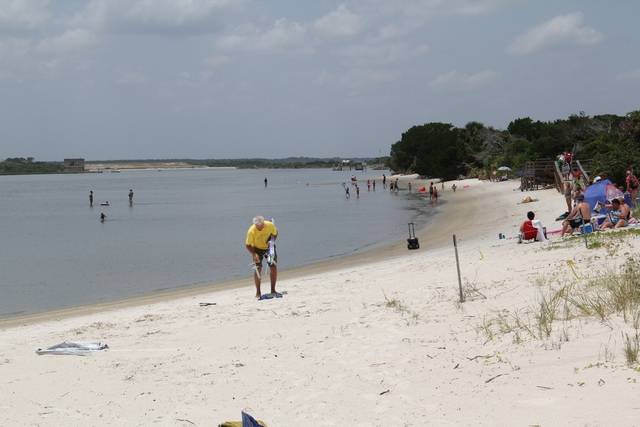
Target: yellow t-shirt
<point x="260" y="238"/>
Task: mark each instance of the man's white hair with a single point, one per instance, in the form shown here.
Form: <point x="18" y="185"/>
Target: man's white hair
<point x="257" y="220"/>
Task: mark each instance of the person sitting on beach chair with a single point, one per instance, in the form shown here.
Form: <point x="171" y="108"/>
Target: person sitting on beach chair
<point x="580" y="214"/>
<point x="618" y="215"/>
<point x="532" y="229"/>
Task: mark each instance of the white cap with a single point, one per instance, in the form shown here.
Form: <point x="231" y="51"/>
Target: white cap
<point x="596" y="179"/>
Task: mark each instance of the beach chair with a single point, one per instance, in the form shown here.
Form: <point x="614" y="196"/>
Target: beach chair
<point x="529" y="232"/>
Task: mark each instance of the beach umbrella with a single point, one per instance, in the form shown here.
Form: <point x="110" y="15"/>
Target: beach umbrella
<point x="602" y="191"/>
<point x="504" y="168"/>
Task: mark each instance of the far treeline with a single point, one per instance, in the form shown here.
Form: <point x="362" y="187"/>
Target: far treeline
<point x="286" y="163"/>
<point x="441" y="150"/>
<point x="22" y="166"/>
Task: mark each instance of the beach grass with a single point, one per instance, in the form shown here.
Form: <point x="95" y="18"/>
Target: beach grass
<point x="607" y="297"/>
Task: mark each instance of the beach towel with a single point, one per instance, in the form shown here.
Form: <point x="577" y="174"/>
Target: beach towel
<point x="73" y="348"/>
<point x="529" y="200"/>
<point x="537" y="224"/>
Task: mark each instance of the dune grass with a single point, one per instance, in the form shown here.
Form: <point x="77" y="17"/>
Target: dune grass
<point x="610" y="295"/>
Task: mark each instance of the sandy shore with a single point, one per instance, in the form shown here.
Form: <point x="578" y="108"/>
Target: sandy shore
<point x="378" y="339"/>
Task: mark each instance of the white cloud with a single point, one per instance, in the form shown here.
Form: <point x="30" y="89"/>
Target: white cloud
<point x="216" y="60"/>
<point x="629" y="76"/>
<point x="14" y="48"/>
<point x="68" y="42"/>
<point x="468" y="7"/>
<point x="379" y="54"/>
<point x="197" y="81"/>
<point x="355" y="78"/>
<point x="282" y="37"/>
<point x="151" y="15"/>
<point x="129" y="77"/>
<point x="170" y="12"/>
<point x="23" y="14"/>
<point x="340" y="23"/>
<point x="393" y="20"/>
<point x="459" y="82"/>
<point x="564" y="30"/>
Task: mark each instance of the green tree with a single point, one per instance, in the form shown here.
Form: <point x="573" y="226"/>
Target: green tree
<point x="630" y="131"/>
<point x="432" y="149"/>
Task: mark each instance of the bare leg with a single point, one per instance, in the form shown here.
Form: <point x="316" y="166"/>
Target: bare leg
<point x="256" y="280"/>
<point x="273" y="275"/>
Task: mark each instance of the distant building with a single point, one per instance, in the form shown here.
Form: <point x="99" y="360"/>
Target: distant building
<point x="74" y="165"/>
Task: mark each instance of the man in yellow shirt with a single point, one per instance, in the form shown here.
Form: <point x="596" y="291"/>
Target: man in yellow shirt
<point x="258" y="245"/>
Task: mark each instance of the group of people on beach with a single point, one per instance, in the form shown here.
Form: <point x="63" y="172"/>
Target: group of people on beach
<point x="103" y="217"/>
<point x="579" y="212"/>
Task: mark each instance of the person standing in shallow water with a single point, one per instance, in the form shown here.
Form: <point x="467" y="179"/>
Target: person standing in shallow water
<point x="91" y="198"/>
<point x="265" y="181"/>
<point x="130" y="196"/>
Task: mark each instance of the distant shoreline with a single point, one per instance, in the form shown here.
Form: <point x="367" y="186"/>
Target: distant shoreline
<point x="108" y="167"/>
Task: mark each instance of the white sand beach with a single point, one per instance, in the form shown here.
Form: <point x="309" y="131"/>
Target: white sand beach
<point x="378" y="339"/>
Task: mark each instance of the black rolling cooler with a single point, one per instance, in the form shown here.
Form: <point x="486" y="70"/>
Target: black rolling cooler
<point x="412" y="241"/>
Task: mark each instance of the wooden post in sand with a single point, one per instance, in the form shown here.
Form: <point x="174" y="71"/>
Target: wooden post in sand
<point x="455" y="245"/>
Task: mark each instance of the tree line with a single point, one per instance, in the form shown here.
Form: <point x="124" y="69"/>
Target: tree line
<point x="441" y="150"/>
<point x="22" y="166"/>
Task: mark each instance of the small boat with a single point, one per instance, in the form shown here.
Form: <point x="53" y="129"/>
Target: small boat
<point x="104" y="204"/>
<point x="115" y="171"/>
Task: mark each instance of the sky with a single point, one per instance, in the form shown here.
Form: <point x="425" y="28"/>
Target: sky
<point x="216" y="79"/>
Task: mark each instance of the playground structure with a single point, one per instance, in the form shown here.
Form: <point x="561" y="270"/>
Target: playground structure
<point x="546" y="172"/>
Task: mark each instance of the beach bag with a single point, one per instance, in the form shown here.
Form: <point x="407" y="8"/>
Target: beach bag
<point x="247" y="421"/>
